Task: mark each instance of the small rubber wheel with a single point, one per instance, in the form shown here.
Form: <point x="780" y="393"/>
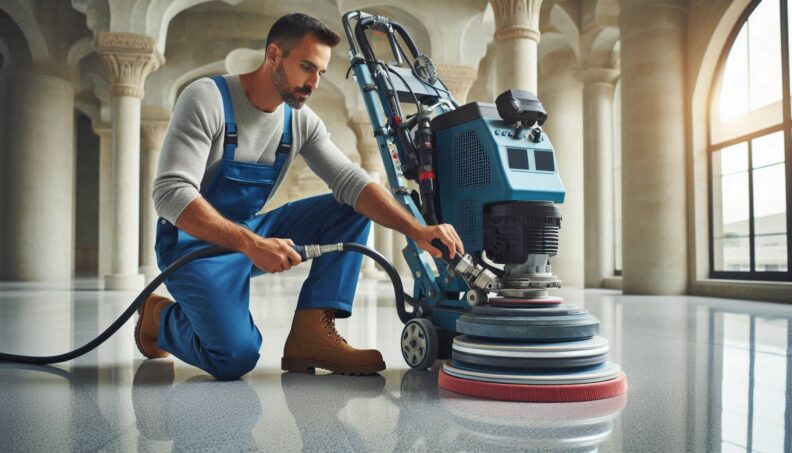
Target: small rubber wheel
<point x="419" y="343"/>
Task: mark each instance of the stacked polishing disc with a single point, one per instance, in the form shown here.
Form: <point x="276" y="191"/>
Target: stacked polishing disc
<point x="537" y="349"/>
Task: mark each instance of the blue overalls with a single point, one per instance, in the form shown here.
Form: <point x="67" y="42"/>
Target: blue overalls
<point x="210" y="325"/>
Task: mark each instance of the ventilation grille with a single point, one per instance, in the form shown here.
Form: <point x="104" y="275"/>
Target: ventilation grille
<point x="466" y="221"/>
<point x="471" y="164"/>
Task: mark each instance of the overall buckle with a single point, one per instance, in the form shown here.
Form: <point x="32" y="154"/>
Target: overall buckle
<point x="231" y="138"/>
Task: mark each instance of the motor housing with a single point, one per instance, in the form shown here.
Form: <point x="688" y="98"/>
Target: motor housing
<point x="513" y="230"/>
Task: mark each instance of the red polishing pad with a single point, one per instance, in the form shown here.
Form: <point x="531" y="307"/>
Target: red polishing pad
<point x="534" y="393"/>
<point x="515" y="302"/>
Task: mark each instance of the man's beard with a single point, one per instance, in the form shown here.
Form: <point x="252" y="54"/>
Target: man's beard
<point x="288" y="94"/>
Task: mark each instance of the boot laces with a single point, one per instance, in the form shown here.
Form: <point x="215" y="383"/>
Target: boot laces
<point x="327" y="319"/>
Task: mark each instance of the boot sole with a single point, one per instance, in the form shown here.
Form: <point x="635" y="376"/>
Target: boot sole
<point x="309" y="366"/>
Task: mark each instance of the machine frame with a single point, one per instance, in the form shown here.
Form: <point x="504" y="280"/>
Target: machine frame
<point x="432" y="280"/>
<point x="407" y="147"/>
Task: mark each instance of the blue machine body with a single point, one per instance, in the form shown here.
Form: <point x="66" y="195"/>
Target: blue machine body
<point x="480" y="161"/>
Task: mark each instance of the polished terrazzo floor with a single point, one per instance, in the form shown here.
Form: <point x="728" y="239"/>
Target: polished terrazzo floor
<point x="704" y="375"/>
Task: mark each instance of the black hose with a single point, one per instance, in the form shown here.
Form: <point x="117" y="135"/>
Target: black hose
<point x="398" y="288"/>
<point x="204" y="252"/>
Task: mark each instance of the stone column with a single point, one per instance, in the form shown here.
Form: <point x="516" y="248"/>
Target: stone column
<point x="399" y="243"/>
<point x="371" y="162"/>
<point x="481" y="90"/>
<point x="561" y="92"/>
<point x="653" y="146"/>
<point x="598" y="84"/>
<point x="154" y="124"/>
<point x="105" y="133"/>
<point x="517" y="38"/>
<point x="458" y="78"/>
<point x="3" y="168"/>
<point x="129" y="58"/>
<point x="40" y="169"/>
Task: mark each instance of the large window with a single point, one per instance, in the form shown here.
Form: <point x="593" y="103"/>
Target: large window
<point x="749" y="152"/>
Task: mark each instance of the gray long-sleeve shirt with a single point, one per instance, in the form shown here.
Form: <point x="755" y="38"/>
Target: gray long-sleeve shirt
<point x="193" y="147"/>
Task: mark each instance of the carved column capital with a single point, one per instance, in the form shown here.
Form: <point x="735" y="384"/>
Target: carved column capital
<point x="458" y="78"/>
<point x="102" y="129"/>
<point x="154" y="123"/>
<point x="599" y="75"/>
<point x="516" y="19"/>
<point x="129" y="58"/>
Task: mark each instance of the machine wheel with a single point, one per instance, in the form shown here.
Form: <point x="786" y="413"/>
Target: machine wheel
<point x="476" y="297"/>
<point x="419" y="343"/>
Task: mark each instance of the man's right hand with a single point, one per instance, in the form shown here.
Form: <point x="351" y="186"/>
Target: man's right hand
<point x="201" y="220"/>
<point x="272" y="254"/>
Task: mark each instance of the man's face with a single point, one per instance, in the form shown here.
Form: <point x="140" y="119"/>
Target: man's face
<point x="298" y="74"/>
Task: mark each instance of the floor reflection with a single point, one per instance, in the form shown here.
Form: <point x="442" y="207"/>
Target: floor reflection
<point x="198" y="414"/>
<point x="751" y="377"/>
<point x="481" y="425"/>
<point x="704" y="375"/>
<point x="316" y="401"/>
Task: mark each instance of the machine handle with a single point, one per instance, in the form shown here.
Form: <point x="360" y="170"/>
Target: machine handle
<point x="395" y="48"/>
<point x="365" y="20"/>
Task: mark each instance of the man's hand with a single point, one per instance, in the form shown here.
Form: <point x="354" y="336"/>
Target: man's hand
<point x="447" y="235"/>
<point x="378" y="204"/>
<point x="201" y="220"/>
<point x="271" y="254"/>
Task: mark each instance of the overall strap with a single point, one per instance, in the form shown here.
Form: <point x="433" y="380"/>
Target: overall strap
<point x="286" y="139"/>
<point x="230" y="138"/>
<point x="284" y="146"/>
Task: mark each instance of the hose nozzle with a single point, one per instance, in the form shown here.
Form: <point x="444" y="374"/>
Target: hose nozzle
<point x="308" y="252"/>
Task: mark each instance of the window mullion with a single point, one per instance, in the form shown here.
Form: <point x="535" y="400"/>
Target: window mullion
<point x="751" y="232"/>
<point x="711" y="217"/>
<point x="787" y="106"/>
<point x="748" y="60"/>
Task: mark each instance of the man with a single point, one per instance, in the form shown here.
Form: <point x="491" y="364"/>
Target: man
<point x="226" y="150"/>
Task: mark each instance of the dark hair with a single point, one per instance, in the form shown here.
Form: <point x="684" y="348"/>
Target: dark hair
<point x="291" y="28"/>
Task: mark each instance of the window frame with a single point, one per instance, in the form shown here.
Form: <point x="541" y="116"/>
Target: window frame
<point x="785" y="126"/>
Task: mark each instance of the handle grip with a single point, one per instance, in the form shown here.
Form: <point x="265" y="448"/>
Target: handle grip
<point x="300" y="249"/>
<point x="438" y="244"/>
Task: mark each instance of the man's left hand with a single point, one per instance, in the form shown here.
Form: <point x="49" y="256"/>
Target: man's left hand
<point x="447" y="235"/>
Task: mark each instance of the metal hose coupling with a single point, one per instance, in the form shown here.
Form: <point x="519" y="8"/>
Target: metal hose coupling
<point x="475" y="275"/>
<point x="308" y="252"/>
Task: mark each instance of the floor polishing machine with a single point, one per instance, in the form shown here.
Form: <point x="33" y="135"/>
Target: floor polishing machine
<point x="490" y="171"/>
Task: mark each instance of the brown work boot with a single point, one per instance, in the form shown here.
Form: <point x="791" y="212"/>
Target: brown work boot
<point x="147" y="327"/>
<point x="314" y="343"/>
